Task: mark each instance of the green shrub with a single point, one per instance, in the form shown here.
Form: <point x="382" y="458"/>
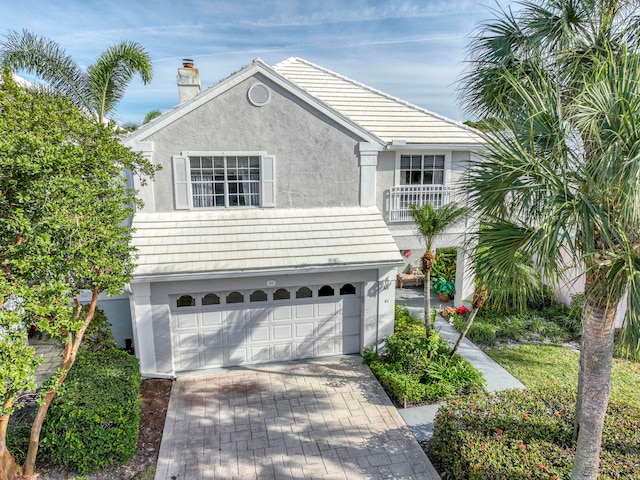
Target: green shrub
<point x="416" y="368"/>
<point x="444" y="264"/>
<point x="480" y="332"/>
<point x="531" y="325"/>
<point x="98" y="335"/>
<point x="18" y="432"/>
<point x="526" y="434"/>
<point x="407" y="323"/>
<point x="94" y="420"/>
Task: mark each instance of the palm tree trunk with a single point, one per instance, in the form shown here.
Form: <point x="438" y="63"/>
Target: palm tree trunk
<point x="427" y="301"/>
<point x="596" y="353"/>
<point x="464" y="331"/>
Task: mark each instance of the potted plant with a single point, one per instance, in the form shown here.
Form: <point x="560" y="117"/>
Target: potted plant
<point x="445" y="288"/>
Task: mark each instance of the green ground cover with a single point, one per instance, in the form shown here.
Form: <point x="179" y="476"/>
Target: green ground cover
<point x="539" y="365"/>
<point x="415" y="369"/>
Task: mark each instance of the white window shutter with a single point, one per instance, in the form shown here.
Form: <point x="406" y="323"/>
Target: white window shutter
<point x="268" y="181"/>
<point x="181" y="182"/>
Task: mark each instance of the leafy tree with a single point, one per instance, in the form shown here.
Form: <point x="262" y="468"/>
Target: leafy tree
<point x="98" y="89"/>
<point x="432" y="222"/>
<point x="63" y="203"/>
<point x="562" y="177"/>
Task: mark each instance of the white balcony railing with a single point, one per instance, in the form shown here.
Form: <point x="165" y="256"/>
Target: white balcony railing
<point x="401" y="196"/>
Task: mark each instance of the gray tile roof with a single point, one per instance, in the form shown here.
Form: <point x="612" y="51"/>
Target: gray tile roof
<point x="383" y="115"/>
<point x="260" y="239"/>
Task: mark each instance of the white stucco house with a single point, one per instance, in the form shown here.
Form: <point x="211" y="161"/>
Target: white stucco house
<point x="276" y="227"/>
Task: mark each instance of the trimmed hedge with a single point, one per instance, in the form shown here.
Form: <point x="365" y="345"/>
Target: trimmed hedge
<point x="94" y="420"/>
<point x="526" y="434"/>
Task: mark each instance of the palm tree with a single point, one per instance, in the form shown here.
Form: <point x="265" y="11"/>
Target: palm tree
<point x="98" y="89"/>
<point x="562" y="173"/>
<point x="151" y="114"/>
<point x="432" y="222"/>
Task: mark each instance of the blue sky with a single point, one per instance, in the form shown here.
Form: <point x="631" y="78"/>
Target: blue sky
<point x="412" y="49"/>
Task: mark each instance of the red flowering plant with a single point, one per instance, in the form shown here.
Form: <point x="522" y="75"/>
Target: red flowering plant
<point x="462" y="310"/>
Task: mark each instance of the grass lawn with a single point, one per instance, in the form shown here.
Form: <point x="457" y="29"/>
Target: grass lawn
<point x="537" y="365"/>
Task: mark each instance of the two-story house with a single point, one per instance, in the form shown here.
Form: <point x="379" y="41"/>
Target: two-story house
<point x="276" y="227"/>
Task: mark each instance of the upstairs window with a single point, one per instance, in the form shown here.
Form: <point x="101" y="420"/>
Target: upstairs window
<point x="212" y="180"/>
<point x="421" y="169"/>
<point x="225" y="181"/>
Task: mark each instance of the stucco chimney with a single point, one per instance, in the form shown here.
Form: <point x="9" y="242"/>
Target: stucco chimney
<point x="188" y="80"/>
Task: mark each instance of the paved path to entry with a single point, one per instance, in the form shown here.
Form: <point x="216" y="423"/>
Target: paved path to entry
<point x="323" y="419"/>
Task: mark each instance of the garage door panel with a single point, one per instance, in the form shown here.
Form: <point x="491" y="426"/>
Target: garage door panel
<point x="326" y="347"/>
<point x="258" y="315"/>
<point x="350" y="344"/>
<point x="282" y="332"/>
<point x="214" y="338"/>
<point x="188" y="340"/>
<point x="213" y="357"/>
<point x="284" y="312"/>
<point x="236" y="335"/>
<point x="327" y="327"/>
<point x="188" y="361"/>
<point x="304" y="311"/>
<point x="259" y="332"/>
<point x="304" y="330"/>
<point x="210" y="319"/>
<point x="281" y="352"/>
<point x="305" y="350"/>
<point x="237" y="355"/>
<point x="260" y="354"/>
<point x="351" y="326"/>
<point x="326" y="309"/>
<point x="351" y="306"/>
<point x="235" y="317"/>
<point x="188" y="320"/>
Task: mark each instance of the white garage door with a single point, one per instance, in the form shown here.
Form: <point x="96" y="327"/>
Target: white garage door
<point x="257" y="326"/>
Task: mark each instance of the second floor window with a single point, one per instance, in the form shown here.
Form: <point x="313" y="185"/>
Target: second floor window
<point x="421" y="169"/>
<point x="225" y="181"/>
<point x="213" y="179"/>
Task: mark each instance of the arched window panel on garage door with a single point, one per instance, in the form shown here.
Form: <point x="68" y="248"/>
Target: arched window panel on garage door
<point x="326" y="291"/>
<point x="185" y="301"/>
<point x="347" y="289"/>
<point x="304" y="292"/>
<point x="258" y="296"/>
<point x="235" y="297"/>
<point x="281" y="294"/>
<point x="211" y="299"/>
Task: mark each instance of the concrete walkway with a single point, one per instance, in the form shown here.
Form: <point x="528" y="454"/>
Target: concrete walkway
<point x="420" y="419"/>
<point x="322" y="419"/>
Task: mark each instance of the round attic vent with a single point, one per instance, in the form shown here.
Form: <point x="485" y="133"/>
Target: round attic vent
<point x="259" y="94"/>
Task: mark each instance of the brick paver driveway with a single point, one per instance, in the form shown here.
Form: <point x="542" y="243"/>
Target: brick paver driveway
<point x="326" y="419"/>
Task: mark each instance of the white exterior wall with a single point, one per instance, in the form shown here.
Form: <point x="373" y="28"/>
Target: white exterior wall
<point x="317" y="161"/>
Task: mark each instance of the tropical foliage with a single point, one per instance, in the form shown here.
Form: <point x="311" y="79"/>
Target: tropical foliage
<point x="432" y="222"/>
<point x="414" y="370"/>
<point x="561" y="182"/>
<point x="98" y="89"/>
<point x="63" y="207"/>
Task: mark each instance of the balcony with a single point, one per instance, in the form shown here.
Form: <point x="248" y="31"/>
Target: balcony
<point x="401" y="196"/>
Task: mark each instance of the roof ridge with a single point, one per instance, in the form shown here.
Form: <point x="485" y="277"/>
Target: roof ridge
<point x="290" y="60"/>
